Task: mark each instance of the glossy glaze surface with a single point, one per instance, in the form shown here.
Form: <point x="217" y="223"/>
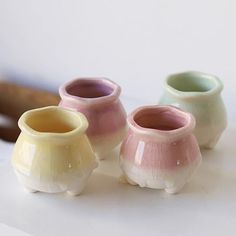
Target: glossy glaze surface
<point x="98" y="100"/>
<point x="160" y="150"/>
<point x="199" y="94"/>
<point x="53" y="153"/>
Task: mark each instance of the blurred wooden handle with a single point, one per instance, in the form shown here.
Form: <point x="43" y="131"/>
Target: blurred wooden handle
<point x="9" y="134"/>
<point x="16" y="99"/>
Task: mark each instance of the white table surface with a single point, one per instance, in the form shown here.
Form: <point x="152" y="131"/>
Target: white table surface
<point x="206" y="206"/>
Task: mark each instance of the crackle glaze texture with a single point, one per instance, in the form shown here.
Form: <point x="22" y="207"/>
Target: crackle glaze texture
<point x="199" y="94"/>
<point x="53" y="153"/>
<point x="98" y="100"/>
<point x="160" y="150"/>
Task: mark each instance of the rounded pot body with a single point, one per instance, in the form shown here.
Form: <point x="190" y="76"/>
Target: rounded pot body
<point x="98" y="100"/>
<point x="160" y="150"/>
<point x="53" y="153"/>
<point x="199" y="94"/>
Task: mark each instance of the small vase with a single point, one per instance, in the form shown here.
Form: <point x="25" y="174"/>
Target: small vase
<point x="98" y="100"/>
<point x="160" y="150"/>
<point x="199" y="94"/>
<point x="53" y="153"/>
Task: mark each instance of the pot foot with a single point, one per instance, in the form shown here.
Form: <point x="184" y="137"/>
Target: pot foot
<point x="174" y="189"/>
<point x="30" y="190"/>
<point x="76" y="192"/>
<point x="126" y="180"/>
<point x="212" y="143"/>
<point x="102" y="155"/>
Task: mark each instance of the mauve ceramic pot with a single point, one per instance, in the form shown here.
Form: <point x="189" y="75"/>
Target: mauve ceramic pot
<point x="160" y="150"/>
<point x="199" y="94"/>
<point x="98" y="100"/>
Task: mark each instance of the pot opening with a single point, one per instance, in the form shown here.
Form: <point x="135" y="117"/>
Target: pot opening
<point x="191" y="82"/>
<point x="51" y="122"/>
<point x="160" y="119"/>
<point x="89" y="89"/>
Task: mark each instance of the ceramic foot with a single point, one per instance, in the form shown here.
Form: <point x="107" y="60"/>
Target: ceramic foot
<point x="125" y="179"/>
<point x="208" y="146"/>
<point x="174" y="189"/>
<point x="30" y="190"/>
<point x="102" y="155"/>
<point x="211" y="144"/>
<point x="76" y="192"/>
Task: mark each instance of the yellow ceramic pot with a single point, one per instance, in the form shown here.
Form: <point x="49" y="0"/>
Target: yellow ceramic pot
<point x="53" y="153"/>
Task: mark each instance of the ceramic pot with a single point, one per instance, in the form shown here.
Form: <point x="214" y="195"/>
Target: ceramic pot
<point x="53" y="153"/>
<point x="199" y="94"/>
<point x="160" y="150"/>
<point x="98" y="100"/>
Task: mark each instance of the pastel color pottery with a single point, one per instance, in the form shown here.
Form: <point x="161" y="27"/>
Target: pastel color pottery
<point x="98" y="100"/>
<point x="160" y="151"/>
<point x="199" y="94"/>
<point x="53" y="153"/>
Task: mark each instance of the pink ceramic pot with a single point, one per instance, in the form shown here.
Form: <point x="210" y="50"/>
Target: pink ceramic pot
<point x="98" y="99"/>
<point x="160" y="150"/>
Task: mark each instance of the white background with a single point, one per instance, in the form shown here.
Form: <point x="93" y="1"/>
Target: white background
<point x="137" y="44"/>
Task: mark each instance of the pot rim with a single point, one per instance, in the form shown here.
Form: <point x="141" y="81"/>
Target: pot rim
<point x="217" y="88"/>
<point x="116" y="90"/>
<point x="158" y="133"/>
<point x="25" y="128"/>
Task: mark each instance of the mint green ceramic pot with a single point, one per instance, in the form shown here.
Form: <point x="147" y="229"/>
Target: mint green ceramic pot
<point x="200" y="94"/>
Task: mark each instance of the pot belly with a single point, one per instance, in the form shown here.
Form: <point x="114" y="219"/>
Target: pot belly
<point x="53" y="167"/>
<point x="65" y="182"/>
<point x="172" y="180"/>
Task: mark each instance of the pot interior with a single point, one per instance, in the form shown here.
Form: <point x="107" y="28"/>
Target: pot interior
<point x="191" y="82"/>
<point x="89" y="89"/>
<point x="51" y="122"/>
<point x="160" y="119"/>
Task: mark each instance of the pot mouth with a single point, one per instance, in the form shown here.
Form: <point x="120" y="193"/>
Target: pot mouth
<point x="161" y="121"/>
<point x="90" y="90"/>
<point x="52" y="121"/>
<point x="192" y="83"/>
